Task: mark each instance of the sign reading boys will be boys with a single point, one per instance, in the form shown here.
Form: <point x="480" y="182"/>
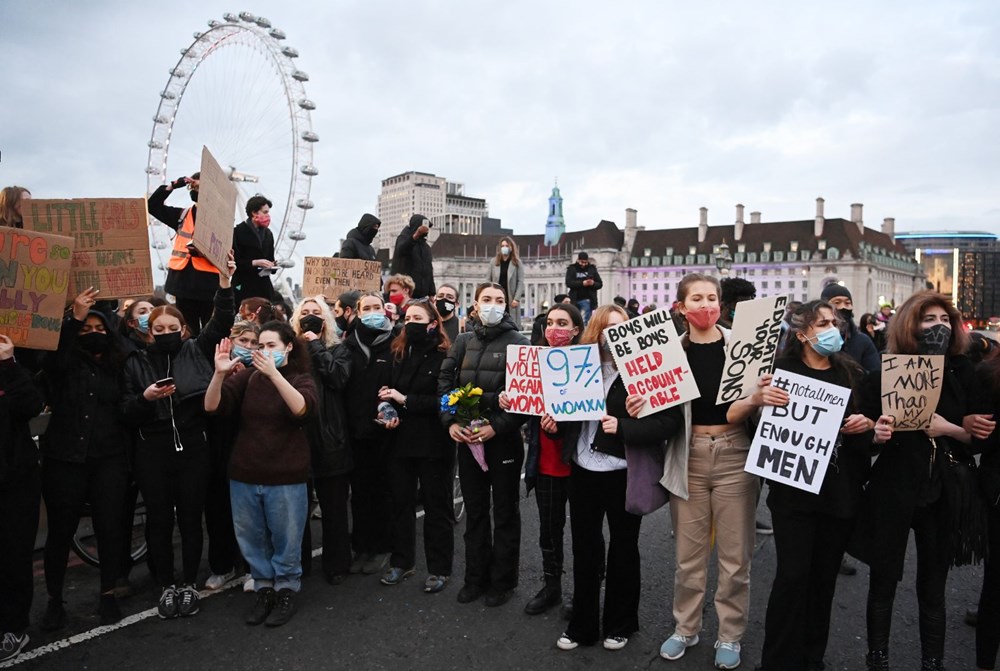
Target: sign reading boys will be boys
<point x="752" y="346"/>
<point x="652" y="361"/>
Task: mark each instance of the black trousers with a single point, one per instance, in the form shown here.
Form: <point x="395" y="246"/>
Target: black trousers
<point x="370" y="507"/>
<point x="435" y="478"/>
<point x="66" y="486"/>
<point x="551" y="495"/>
<point x="592" y="497"/>
<point x="930" y="531"/>
<point x="197" y="313"/>
<point x="170" y="481"/>
<point x="988" y="621"/>
<point x="333" y="492"/>
<point x="20" y="501"/>
<point x="223" y="551"/>
<point x="809" y="546"/>
<point x="492" y="551"/>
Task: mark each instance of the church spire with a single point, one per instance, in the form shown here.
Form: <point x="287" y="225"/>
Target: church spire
<point x="555" y="225"/>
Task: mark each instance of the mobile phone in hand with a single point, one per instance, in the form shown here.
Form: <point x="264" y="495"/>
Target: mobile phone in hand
<point x="165" y="382"/>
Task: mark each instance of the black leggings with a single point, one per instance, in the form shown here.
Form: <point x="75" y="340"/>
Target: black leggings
<point x="66" y="486"/>
<point x="172" y="480"/>
<point x="988" y="621"/>
<point x="20" y="501"/>
<point x="436" y="477"/>
<point x="333" y="492"/>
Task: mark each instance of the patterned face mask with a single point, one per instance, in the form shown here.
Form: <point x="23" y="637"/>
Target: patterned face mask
<point x="934" y="340"/>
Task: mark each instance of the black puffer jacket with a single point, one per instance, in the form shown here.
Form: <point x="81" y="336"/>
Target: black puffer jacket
<point x="20" y="400"/>
<point x="480" y="357"/>
<point x="358" y="244"/>
<point x="370" y="372"/>
<point x="328" y="436"/>
<point x="414" y="258"/>
<point x="420" y="433"/>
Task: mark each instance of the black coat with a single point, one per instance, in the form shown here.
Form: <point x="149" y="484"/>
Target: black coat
<point x="248" y="246"/>
<point x="860" y="347"/>
<point x="370" y="371"/>
<point x="358" y="243"/>
<point x="414" y="258"/>
<point x="575" y="277"/>
<point x="480" y="357"/>
<point x="20" y="400"/>
<point x="188" y="283"/>
<point x="420" y="433"/>
<point x="328" y="435"/>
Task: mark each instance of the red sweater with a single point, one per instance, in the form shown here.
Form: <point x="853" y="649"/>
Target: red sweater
<point x="272" y="447"/>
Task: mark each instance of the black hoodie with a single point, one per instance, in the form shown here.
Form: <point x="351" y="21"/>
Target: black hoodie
<point x="358" y="244"/>
<point x="413" y="258"/>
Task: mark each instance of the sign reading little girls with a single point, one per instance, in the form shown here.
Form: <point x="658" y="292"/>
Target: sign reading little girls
<point x="795" y="442"/>
<point x="652" y="362"/>
<point x="572" y="384"/>
<point x="752" y="346"/>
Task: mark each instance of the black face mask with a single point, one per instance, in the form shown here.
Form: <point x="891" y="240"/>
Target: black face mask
<point x="934" y="340"/>
<point x="416" y="334"/>
<point x="194" y="195"/>
<point x="168" y="343"/>
<point x="846" y="314"/>
<point x="445" y="307"/>
<point x="342" y="323"/>
<point x="311" y="324"/>
<point x="95" y="342"/>
<point x="369" y="234"/>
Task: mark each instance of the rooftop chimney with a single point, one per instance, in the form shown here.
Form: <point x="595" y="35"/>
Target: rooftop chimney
<point x="630" y="218"/>
<point x="857" y="218"/>
<point x="703" y="224"/>
<point x="820" y="219"/>
<point x="755" y="217"/>
<point x="889" y="227"/>
<point x="738" y="229"/>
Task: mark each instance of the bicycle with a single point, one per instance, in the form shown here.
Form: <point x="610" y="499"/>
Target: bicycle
<point x="84" y="541"/>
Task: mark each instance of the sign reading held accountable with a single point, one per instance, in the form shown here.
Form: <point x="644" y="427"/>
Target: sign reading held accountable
<point x="572" y="384"/>
<point x="652" y="361"/>
<point x="213" y="230"/>
<point x="34" y="278"/>
<point x="911" y="388"/>
<point x="332" y="276"/>
<point x="752" y="346"/>
<point x="112" y="244"/>
<point x="524" y="380"/>
<point x="794" y="443"/>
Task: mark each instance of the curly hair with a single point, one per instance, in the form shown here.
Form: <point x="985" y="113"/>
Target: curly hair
<point x="329" y="335"/>
<point x="905" y="327"/>
<point x="802" y="319"/>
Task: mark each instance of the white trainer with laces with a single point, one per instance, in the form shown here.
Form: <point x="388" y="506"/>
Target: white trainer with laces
<point x="217" y="581"/>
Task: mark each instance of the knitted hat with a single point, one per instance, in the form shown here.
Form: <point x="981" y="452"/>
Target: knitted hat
<point x="835" y="291"/>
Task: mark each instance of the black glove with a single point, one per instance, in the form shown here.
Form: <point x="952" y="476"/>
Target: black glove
<point x="178" y="183"/>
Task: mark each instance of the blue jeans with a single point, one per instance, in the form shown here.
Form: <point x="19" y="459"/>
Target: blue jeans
<point x="585" y="309"/>
<point x="269" y="521"/>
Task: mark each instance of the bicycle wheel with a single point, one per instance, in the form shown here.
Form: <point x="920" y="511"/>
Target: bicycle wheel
<point x="84" y="542"/>
<point x="457" y="498"/>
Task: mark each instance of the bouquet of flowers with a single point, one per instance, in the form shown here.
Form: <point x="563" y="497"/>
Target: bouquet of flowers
<point x="463" y="402"/>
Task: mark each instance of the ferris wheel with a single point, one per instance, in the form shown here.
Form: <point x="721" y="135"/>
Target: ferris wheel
<point x="244" y="98"/>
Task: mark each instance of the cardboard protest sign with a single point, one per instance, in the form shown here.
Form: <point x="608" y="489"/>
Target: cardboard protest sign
<point x="652" y="361"/>
<point x="572" y="384"/>
<point x="794" y="443"/>
<point x="752" y="346"/>
<point x="524" y="380"/>
<point x="911" y="388"/>
<point x="213" y="231"/>
<point x="111" y="252"/>
<point x="34" y="278"/>
<point x="333" y="276"/>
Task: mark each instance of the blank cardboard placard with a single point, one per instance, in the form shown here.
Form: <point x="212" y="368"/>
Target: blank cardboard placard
<point x="111" y="251"/>
<point x="911" y="388"/>
<point x="34" y="279"/>
<point x="752" y="346"/>
<point x="524" y="380"/>
<point x="332" y="276"/>
<point x="213" y="230"/>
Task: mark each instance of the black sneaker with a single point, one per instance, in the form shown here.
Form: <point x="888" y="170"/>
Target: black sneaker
<point x="262" y="606"/>
<point x="497" y="598"/>
<point x="167" y="608"/>
<point x="469" y="593"/>
<point x="108" y="609"/>
<point x="284" y="609"/>
<point x="188" y="598"/>
<point x="12" y="645"/>
<point x="55" y="615"/>
<point x="549" y="596"/>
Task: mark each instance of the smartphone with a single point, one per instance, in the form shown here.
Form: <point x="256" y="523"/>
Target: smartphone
<point x="165" y="382"/>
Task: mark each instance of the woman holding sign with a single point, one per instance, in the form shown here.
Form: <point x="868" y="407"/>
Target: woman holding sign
<point x="911" y="481"/>
<point x="811" y="530"/>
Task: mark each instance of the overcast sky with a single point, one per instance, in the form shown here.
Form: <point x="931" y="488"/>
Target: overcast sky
<point x="661" y="106"/>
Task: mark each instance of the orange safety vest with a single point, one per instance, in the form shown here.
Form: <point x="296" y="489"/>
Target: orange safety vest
<point x="180" y="255"/>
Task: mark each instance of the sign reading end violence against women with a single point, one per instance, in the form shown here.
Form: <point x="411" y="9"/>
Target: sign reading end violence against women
<point x="652" y="361"/>
<point x="112" y="244"/>
<point x="572" y="384"/>
<point x="794" y="442"/>
<point x="524" y="380"/>
<point x="213" y="231"/>
<point x="911" y="388"/>
<point x="34" y="278"/>
<point x="752" y="346"/>
<point x="332" y="276"/>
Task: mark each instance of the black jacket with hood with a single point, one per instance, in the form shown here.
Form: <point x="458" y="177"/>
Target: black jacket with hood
<point x="20" y="400"/>
<point x="358" y="244"/>
<point x="413" y="258"/>
<point x="575" y="277"/>
<point x="329" y="439"/>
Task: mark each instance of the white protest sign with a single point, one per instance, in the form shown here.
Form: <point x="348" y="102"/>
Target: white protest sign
<point x="652" y="361"/>
<point x="911" y="388"/>
<point x="753" y="343"/>
<point x="572" y="384"/>
<point x="524" y="380"/>
<point x="794" y="442"/>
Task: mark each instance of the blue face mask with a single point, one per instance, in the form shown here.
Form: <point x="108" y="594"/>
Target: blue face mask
<point x="375" y="320"/>
<point x="243" y="354"/>
<point x="279" y="357"/>
<point x="828" y="342"/>
<point x="142" y="322"/>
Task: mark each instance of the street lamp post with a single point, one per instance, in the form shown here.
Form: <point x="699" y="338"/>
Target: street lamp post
<point x="723" y="261"/>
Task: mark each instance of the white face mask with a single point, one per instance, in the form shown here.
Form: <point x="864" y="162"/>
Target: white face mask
<point x="491" y="315"/>
<point x="505" y="250"/>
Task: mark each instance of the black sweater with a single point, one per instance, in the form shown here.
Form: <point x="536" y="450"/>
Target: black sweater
<point x="20" y="400"/>
<point x="420" y="433"/>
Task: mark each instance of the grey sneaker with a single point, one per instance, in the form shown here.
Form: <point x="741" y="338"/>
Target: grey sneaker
<point x="674" y="647"/>
<point x="219" y="580"/>
<point x="396" y="575"/>
<point x="436" y="583"/>
<point x="727" y="654"/>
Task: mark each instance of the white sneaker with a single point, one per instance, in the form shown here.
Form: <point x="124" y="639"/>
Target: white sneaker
<point x="217" y="580"/>
<point x="248" y="585"/>
<point x="615" y="642"/>
<point x="566" y="643"/>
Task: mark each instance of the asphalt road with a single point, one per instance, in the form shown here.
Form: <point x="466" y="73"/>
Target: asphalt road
<point x="365" y="625"/>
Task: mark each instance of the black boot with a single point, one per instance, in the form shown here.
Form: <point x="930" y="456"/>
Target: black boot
<point x="108" y="609"/>
<point x="55" y="615"/>
<point x="547" y="597"/>
<point x="877" y="660"/>
<point x="931" y="664"/>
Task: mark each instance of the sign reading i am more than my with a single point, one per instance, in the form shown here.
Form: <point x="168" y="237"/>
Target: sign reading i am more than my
<point x="332" y="276"/>
<point x="911" y="389"/>
<point x="111" y="251"/>
<point x="34" y="279"/>
<point x="213" y="230"/>
<point x="752" y="346"/>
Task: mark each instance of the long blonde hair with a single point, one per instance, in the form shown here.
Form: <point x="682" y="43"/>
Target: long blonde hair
<point x="513" y="252"/>
<point x="10" y="200"/>
<point x="329" y="335"/>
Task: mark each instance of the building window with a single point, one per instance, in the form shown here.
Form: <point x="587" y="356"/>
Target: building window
<point x="821" y="245"/>
<point x="777" y="285"/>
<point x="791" y="284"/>
<point x="763" y="285"/>
<point x="794" y="246"/>
<point x="767" y="246"/>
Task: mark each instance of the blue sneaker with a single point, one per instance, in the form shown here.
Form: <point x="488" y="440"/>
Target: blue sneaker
<point x="674" y="647"/>
<point x="396" y="575"/>
<point x="727" y="654"/>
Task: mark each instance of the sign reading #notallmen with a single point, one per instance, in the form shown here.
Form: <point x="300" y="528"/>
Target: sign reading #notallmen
<point x="752" y="346"/>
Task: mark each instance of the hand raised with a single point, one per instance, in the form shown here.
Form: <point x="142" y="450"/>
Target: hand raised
<point x="224" y="362"/>
<point x="84" y="302"/>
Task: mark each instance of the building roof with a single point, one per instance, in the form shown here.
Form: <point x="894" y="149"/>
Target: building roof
<point x="916" y="235"/>
<point x="606" y="235"/>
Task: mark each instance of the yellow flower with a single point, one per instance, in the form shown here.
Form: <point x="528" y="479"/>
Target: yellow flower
<point x="452" y="399"/>
<point x="476" y="391"/>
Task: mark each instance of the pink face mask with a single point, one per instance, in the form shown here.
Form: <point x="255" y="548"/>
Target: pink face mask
<point x="262" y="220"/>
<point x="703" y="318"/>
<point x="557" y="337"/>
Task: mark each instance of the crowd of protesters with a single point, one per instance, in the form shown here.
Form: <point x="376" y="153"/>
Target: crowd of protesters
<point x="235" y="413"/>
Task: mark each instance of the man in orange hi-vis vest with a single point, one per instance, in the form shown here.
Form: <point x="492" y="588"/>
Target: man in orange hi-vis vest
<point x="191" y="279"/>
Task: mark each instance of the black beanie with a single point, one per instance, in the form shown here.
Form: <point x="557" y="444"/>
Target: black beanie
<point x="834" y="291"/>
